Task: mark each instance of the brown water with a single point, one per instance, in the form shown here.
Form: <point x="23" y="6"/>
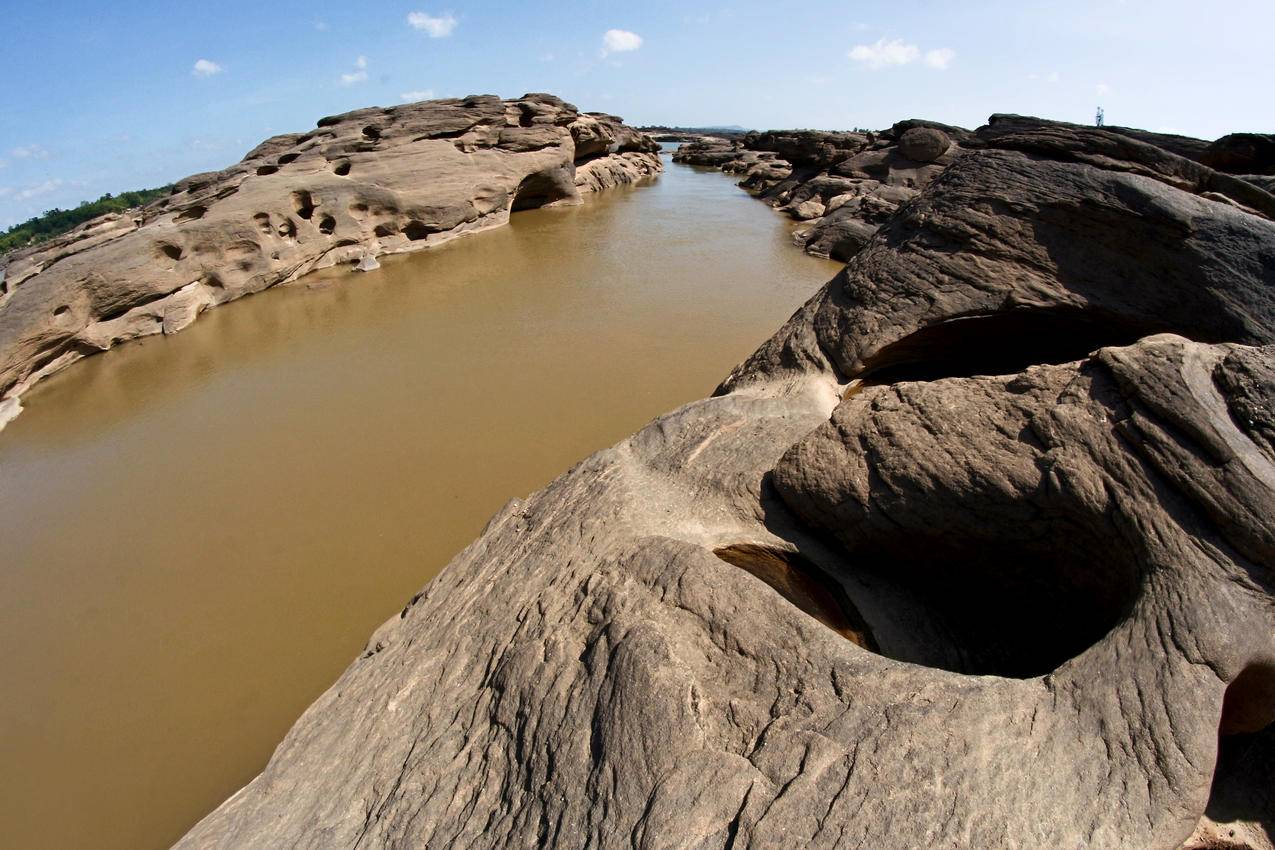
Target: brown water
<point x="198" y="533"/>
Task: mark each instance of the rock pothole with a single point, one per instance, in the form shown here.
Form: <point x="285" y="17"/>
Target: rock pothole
<point x="1004" y="343"/>
<point x="804" y="585"/>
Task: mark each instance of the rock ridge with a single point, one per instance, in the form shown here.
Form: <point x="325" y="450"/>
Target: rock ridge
<point x="974" y="552"/>
<point x="372" y="182"/>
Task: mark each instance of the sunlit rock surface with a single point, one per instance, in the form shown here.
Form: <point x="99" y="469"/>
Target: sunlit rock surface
<point x="976" y="551"/>
<point x="371" y="182"/>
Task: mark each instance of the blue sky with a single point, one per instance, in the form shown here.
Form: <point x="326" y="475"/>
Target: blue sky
<point x="105" y="97"/>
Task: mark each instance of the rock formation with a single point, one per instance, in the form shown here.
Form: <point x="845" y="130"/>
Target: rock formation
<point x="976" y="551"/>
<point x="846" y="185"/>
<point x="371" y="182"/>
<point x="843" y="185"/>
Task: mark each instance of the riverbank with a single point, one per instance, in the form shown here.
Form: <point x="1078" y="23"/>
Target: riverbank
<point x="201" y="529"/>
<point x="367" y="183"/>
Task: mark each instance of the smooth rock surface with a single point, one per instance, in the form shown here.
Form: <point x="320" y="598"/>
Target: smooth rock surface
<point x="975" y="552"/>
<point x="371" y="182"/>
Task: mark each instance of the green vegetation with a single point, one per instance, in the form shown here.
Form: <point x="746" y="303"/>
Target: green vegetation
<point x="57" y="221"/>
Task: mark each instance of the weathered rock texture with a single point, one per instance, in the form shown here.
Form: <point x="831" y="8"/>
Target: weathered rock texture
<point x="375" y="181"/>
<point x="842" y="185"/>
<point x="976" y="552"/>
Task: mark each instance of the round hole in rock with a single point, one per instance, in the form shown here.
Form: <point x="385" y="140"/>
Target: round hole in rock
<point x="342" y="168"/>
<point x="191" y="214"/>
<point x="985" y="606"/>
<point x="327" y="225"/>
<point x="416" y="230"/>
<point x="1001" y="344"/>
<point x="383" y="230"/>
<point x="172" y="252"/>
<point x="539" y="189"/>
<point x="62" y="311"/>
<point x="288" y="157"/>
<point x="804" y="585"/>
<point x="267" y="169"/>
<point x="372" y="132"/>
<point x="1249" y="704"/>
<point x="303" y="203"/>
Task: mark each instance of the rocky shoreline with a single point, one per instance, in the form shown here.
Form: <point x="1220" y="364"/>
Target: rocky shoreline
<point x="367" y="183"/>
<point x="975" y="551"/>
<point x="844" y="186"/>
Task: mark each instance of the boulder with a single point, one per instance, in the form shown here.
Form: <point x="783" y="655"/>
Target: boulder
<point x="1242" y="153"/>
<point x="924" y="144"/>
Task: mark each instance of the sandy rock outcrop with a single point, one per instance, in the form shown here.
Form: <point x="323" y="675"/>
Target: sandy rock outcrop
<point x="370" y="182"/>
<point x="975" y="552"/>
<point x="843" y="185"/>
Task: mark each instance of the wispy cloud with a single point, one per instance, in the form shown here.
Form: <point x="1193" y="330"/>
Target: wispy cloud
<point x="206" y="68"/>
<point x="38" y="189"/>
<point x="358" y="75"/>
<point x="436" y="26"/>
<point x="321" y="26"/>
<point x="29" y="152"/>
<point x="419" y="94"/>
<point x="1051" y="77"/>
<point x="939" y="59"/>
<point x="620" y="41"/>
<point x="887" y="53"/>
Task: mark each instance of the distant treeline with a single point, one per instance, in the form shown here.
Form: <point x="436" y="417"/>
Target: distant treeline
<point x="57" y="221"/>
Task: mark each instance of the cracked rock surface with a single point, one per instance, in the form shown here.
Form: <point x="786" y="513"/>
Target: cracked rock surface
<point x="975" y="552"/>
<point x="370" y="182"/>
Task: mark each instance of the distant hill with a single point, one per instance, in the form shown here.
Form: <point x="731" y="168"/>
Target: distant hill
<point x="55" y="222"/>
<point x="716" y="130"/>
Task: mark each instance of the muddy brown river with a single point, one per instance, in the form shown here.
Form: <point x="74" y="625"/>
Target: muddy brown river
<point x="199" y="532"/>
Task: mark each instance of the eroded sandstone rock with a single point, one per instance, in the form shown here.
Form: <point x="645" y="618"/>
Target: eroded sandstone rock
<point x="975" y="552"/>
<point x="370" y="182"/>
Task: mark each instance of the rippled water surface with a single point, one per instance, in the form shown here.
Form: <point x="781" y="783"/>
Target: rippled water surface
<point x="198" y="532"/>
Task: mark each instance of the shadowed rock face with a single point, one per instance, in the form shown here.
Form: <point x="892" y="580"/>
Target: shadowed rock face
<point x="975" y="552"/>
<point x="375" y="181"/>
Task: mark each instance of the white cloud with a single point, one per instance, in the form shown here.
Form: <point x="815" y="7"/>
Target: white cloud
<point x="420" y="94"/>
<point x="884" y="53"/>
<point x="43" y="188"/>
<point x="620" y="41"/>
<point x="940" y="58"/>
<point x="321" y="26"/>
<point x="437" y="26"/>
<point x="29" y="152"/>
<point x="896" y="51"/>
<point x="206" y="68"/>
<point x="1103" y="89"/>
<point x="359" y="75"/>
<point x="6" y="191"/>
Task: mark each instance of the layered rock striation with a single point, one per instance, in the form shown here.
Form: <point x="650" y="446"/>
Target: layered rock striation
<point x="371" y="182"/>
<point x="976" y="551"/>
